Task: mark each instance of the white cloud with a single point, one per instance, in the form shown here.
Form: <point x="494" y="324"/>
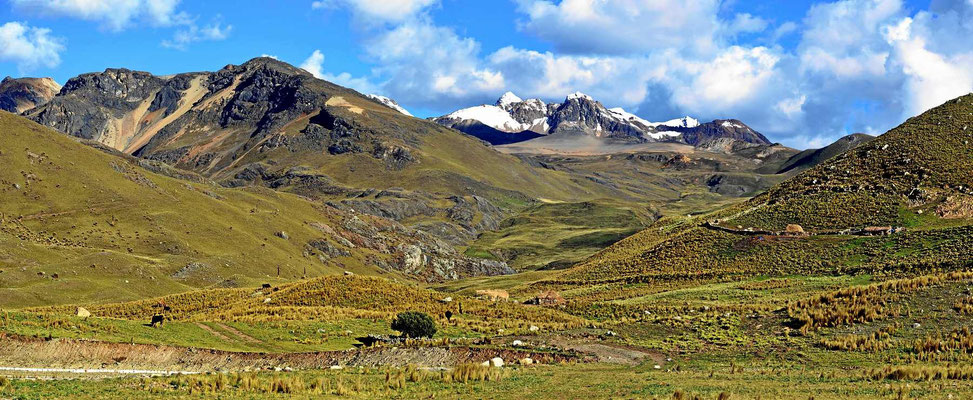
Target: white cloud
<point x="746" y="23"/>
<point x="378" y="10"/>
<point x="855" y="67"/>
<point x="29" y="47"/>
<point x="931" y="78"/>
<point x="430" y="64"/>
<point x="315" y="65"/>
<point x="546" y="75"/>
<point x="734" y="76"/>
<point x="192" y="33"/>
<point x="118" y="15"/>
<point x="113" y="14"/>
<point x="623" y="27"/>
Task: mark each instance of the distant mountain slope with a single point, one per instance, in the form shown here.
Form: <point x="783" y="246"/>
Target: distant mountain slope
<point x="21" y="94"/>
<point x="79" y="224"/>
<point x="918" y="176"/>
<point x="268" y="123"/>
<point x="581" y="115"/>
<point x="811" y="157"/>
<point x="261" y="119"/>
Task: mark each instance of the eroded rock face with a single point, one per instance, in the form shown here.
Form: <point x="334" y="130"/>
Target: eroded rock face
<point x="207" y="121"/>
<point x="21" y="94"/>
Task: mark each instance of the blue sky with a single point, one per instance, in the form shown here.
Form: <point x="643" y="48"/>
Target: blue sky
<point x="803" y="72"/>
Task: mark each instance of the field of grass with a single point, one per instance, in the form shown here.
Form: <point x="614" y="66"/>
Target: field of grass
<point x="557" y="235"/>
<point x="716" y="378"/>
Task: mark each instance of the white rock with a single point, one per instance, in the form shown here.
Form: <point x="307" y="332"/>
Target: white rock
<point x="518" y="343"/>
<point x="267" y="300"/>
<point x="534" y="328"/>
<point x="496" y="362"/>
<point x="657" y="366"/>
<point x="526" y="361"/>
<point x="337" y="367"/>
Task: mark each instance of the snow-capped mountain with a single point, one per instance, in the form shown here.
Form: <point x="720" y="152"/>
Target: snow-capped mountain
<point x="512" y="119"/>
<point x="389" y="103"/>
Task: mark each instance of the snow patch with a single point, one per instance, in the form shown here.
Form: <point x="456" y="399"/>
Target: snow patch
<point x="579" y="96"/>
<point x="728" y="124"/>
<point x="620" y="113"/>
<point x="508" y="99"/>
<point x="684" y="122"/>
<point x="662" y="135"/>
<point x="491" y="116"/>
<point x="389" y="103"/>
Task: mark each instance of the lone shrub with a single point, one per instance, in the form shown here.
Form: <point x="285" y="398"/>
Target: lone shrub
<point x="414" y="324"/>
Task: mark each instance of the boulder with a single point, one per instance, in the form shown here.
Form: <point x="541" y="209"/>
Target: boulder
<point x="83" y="312"/>
<point x="496" y="362"/>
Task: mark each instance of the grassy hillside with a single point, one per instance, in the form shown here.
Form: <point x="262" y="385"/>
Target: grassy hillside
<point x="927" y="160"/>
<point x="308" y="315"/>
<point x="915" y="176"/>
<point x="77" y="224"/>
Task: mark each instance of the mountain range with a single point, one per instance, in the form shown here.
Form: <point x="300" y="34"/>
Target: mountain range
<point x="514" y="120"/>
<point x="266" y="123"/>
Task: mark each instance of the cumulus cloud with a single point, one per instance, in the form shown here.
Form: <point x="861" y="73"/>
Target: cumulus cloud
<point x="852" y="66"/>
<point x="118" y="15"/>
<point x="430" y="64"/>
<point x="113" y="14"/>
<point x="315" y="65"/>
<point x="624" y="27"/>
<point x="29" y="47"/>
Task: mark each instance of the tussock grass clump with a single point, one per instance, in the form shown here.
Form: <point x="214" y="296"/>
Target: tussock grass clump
<point x="921" y="373"/>
<point x="473" y="373"/>
<point x="876" y="341"/>
<point x="861" y="304"/>
<point x="937" y="347"/>
<point x="964" y="306"/>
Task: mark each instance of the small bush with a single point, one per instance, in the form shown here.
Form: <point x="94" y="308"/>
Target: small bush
<point x="414" y="324"/>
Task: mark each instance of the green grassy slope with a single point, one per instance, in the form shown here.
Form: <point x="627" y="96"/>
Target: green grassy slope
<point x="903" y="178"/>
<point x="111" y="230"/>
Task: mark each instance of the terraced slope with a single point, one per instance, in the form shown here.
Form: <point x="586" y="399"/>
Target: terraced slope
<point x="80" y="224"/>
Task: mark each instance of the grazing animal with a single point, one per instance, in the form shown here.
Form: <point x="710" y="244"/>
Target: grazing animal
<point x="157" y="319"/>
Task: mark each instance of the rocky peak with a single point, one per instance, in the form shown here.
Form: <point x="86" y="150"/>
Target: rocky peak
<point x="721" y="129"/>
<point x="18" y="95"/>
<point x="508" y="99"/>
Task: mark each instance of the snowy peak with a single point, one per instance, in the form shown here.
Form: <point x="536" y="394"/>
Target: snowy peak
<point x="389" y="103"/>
<point x="492" y="116"/>
<point x="513" y="119"/>
<point x="578" y="96"/>
<point x="508" y="99"/>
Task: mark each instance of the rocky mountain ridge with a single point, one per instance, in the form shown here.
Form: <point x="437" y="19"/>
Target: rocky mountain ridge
<point x="21" y="94"/>
<point x="512" y="120"/>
